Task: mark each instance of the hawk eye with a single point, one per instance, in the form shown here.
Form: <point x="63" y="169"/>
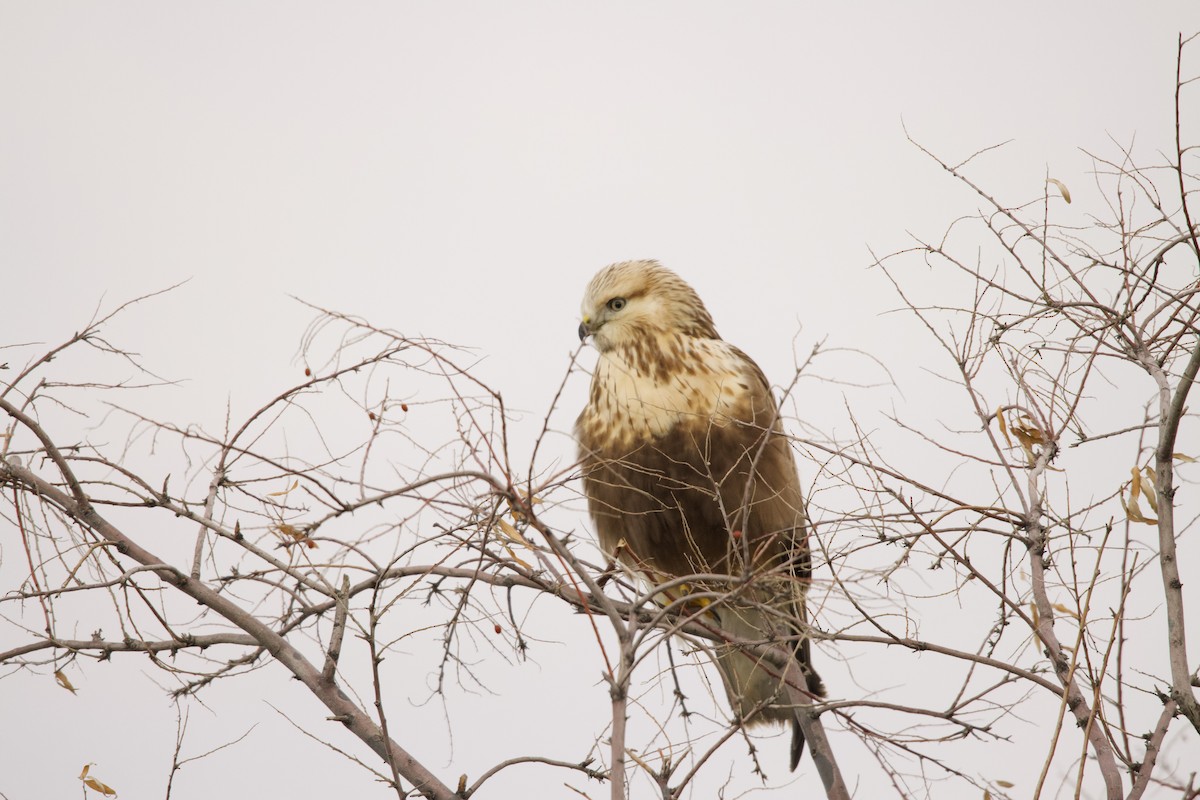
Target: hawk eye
<point x="616" y="304"/>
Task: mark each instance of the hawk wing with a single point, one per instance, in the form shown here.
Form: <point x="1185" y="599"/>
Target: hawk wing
<point x="677" y="498"/>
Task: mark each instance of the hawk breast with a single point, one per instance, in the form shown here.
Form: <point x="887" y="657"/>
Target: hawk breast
<point x="640" y="394"/>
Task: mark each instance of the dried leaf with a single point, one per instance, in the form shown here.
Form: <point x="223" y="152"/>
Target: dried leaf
<point x="94" y="784"/>
<point x="1003" y="425"/>
<point x="1004" y="784"/>
<point x="1062" y="609"/>
<point x="1027" y="432"/>
<point x="1029" y="428"/>
<point x="295" y="483"/>
<point x="102" y="788"/>
<point x="1132" y="510"/>
<point x="516" y="557"/>
<point x="1062" y="188"/>
<point x="294" y="533"/>
<point x="512" y="533"/>
<point x="65" y="683"/>
<point x="1027" y="442"/>
<point x="1184" y="458"/>
<point x="517" y="514"/>
<point x="1147" y="481"/>
<point x="1140" y="517"/>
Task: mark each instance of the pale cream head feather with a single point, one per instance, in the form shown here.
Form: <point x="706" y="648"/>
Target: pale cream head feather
<point x="634" y="300"/>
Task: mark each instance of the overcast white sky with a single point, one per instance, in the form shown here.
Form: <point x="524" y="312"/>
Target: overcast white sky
<point x="460" y="170"/>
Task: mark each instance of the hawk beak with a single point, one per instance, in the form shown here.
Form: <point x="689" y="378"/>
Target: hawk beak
<point x="584" y="331"/>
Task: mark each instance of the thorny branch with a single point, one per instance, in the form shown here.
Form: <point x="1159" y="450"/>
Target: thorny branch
<point x="990" y="521"/>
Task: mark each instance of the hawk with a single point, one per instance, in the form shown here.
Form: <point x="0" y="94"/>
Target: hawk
<point x="687" y="472"/>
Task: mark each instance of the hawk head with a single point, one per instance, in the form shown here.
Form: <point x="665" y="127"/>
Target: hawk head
<point x="629" y="302"/>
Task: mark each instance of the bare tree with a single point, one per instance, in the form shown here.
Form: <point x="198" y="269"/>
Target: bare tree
<point x="998" y="565"/>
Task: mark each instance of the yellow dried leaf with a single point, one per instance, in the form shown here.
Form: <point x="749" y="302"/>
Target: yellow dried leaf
<point x="1148" y="489"/>
<point x="1184" y="458"/>
<point x="517" y="514"/>
<point x="1062" y="188"/>
<point x="1033" y="613"/>
<point x="1004" y="784"/>
<point x="103" y="789"/>
<point x="1003" y="425"/>
<point x="511" y="532"/>
<point x="292" y="532"/>
<point x="83" y="774"/>
<point x="295" y="483"/>
<point x="1062" y="609"/>
<point x="64" y="682"/>
<point x="1030" y="428"/>
<point x="1135" y="487"/>
<point x="1027" y="432"/>
<point x="1132" y="510"/>
<point x="1027" y="442"/>
<point x="516" y="558"/>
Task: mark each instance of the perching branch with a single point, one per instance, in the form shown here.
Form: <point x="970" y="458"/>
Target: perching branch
<point x="343" y="709"/>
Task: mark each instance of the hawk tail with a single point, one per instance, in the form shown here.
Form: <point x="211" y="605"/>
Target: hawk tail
<point x="816" y="687"/>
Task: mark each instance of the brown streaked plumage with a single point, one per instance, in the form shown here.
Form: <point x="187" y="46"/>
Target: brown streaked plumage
<point x="686" y="470"/>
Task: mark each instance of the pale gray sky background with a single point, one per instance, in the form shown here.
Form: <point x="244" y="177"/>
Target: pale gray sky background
<point x="460" y="171"/>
